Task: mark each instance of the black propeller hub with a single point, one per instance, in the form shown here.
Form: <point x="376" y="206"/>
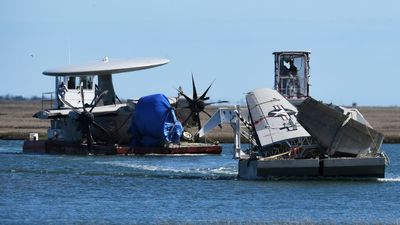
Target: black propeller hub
<point x="198" y="105"/>
<point x="88" y="117"/>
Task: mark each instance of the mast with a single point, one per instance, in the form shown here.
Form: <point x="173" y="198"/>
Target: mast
<point x="56" y="104"/>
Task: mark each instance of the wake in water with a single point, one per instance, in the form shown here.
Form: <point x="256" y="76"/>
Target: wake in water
<point x="224" y="173"/>
<point x="214" y="173"/>
<point x="390" y="177"/>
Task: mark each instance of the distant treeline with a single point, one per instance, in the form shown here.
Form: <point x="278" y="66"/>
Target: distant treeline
<point x="18" y="97"/>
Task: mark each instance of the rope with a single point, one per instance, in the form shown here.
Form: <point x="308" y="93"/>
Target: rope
<point x="276" y="156"/>
<point x="123" y="124"/>
<point x="244" y="121"/>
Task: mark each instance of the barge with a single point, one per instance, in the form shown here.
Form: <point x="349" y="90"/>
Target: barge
<point x="293" y="135"/>
<point x="87" y="117"/>
<point x="65" y="148"/>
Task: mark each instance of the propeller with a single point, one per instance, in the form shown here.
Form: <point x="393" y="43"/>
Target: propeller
<point x="197" y="104"/>
<point x="86" y="117"/>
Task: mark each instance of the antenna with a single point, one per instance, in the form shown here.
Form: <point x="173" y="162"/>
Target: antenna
<point x="69" y="53"/>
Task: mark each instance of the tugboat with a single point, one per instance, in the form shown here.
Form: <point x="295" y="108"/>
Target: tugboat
<point x="87" y="117"/>
<point x="293" y="135"/>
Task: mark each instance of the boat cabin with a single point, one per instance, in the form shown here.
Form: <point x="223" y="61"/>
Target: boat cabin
<point x="69" y="88"/>
<point x="85" y="96"/>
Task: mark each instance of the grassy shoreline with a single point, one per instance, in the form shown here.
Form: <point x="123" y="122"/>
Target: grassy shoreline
<point x="16" y="122"/>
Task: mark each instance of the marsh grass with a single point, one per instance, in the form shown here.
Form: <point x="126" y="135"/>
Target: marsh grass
<point x="384" y="119"/>
<point x="17" y="121"/>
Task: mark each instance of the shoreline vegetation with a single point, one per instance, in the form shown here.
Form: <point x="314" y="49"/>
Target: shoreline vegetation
<point x="17" y="121"/>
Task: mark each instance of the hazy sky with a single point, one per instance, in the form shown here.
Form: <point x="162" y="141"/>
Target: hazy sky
<point x="354" y="45"/>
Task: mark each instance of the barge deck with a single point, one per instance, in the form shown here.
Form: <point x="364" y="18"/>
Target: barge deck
<point x="62" y="147"/>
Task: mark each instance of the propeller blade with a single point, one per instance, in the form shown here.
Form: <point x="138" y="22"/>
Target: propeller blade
<point x="199" y="122"/>
<point x="194" y="88"/>
<point x="89" y="138"/>
<point x="98" y="126"/>
<point x="68" y="104"/>
<point x="179" y="89"/>
<point x="96" y="93"/>
<point x="203" y="96"/>
<point x="184" y="123"/>
<point x="186" y="107"/>
<point x="208" y="114"/>
<point x="218" y="102"/>
<point x="185" y="96"/>
<point x="93" y="100"/>
<point x="98" y="99"/>
<point x="82" y="96"/>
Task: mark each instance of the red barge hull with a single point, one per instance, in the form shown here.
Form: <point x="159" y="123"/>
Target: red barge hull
<point x="61" y="147"/>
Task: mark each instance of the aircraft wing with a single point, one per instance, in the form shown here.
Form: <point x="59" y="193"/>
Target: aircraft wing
<point x="273" y="117"/>
<point x="98" y="110"/>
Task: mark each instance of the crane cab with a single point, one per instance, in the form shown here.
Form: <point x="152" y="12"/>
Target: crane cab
<point x="292" y="75"/>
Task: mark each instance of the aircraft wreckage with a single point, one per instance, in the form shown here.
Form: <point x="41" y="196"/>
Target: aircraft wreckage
<point x="293" y="135"/>
<point x="290" y="133"/>
<point x="87" y="117"/>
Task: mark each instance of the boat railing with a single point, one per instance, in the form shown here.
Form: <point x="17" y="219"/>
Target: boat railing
<point x="48" y="100"/>
<point x="292" y="87"/>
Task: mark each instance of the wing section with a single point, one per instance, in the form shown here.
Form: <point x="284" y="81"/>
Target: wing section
<point x="64" y="112"/>
<point x="273" y="117"/>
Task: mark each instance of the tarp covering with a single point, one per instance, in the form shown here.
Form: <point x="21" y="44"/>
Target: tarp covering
<point x="154" y="122"/>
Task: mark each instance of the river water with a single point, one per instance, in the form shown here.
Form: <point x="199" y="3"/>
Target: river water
<point x="155" y="189"/>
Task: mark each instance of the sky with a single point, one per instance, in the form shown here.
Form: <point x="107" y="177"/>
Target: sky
<point x="354" y="45"/>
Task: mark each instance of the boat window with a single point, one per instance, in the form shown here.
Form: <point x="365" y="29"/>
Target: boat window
<point x="87" y="82"/>
<point x="75" y="82"/>
<point x="71" y="82"/>
<point x="292" y="80"/>
<point x="90" y="82"/>
<point x="84" y="82"/>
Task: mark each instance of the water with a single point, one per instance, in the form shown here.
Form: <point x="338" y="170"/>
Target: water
<point x="56" y="189"/>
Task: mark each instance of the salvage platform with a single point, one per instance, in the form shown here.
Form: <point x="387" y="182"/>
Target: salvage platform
<point x="62" y="147"/>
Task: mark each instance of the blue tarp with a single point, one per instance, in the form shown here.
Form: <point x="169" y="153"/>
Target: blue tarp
<point x="154" y="122"/>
